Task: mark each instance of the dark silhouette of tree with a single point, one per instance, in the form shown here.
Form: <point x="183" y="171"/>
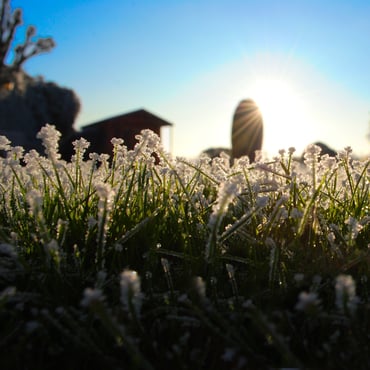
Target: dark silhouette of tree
<point x="28" y="103"/>
<point x="9" y="21"/>
<point x="247" y="130"/>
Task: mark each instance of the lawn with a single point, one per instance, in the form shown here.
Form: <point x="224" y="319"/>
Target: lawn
<point x="146" y="261"/>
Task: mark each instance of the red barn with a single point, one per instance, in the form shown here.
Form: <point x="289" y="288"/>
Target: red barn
<point x="125" y="126"/>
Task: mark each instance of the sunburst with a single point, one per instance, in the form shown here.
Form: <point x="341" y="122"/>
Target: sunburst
<point x="284" y="112"/>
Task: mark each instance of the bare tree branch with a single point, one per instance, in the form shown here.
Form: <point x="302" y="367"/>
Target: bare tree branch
<point x="8" y="23"/>
<point x="31" y="48"/>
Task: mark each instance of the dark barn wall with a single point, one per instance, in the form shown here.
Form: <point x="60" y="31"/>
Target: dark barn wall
<point x="126" y="126"/>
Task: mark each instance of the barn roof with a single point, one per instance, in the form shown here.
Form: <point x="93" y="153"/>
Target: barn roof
<point x="139" y="117"/>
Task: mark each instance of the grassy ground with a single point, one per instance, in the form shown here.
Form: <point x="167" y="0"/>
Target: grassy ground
<point x="153" y="262"/>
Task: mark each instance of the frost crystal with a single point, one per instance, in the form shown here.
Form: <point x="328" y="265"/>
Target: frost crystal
<point x="80" y="144"/>
<point x="200" y="287"/>
<point x="227" y="191"/>
<point x="8" y="292"/>
<point x="345" y="293"/>
<point x="91" y="296"/>
<point x="311" y="155"/>
<point x="50" y="140"/>
<point x="131" y="290"/>
<point x="298" y="277"/>
<point x="354" y="226"/>
<point x="307" y="301"/>
<point x="117" y="141"/>
<point x="4" y="143"/>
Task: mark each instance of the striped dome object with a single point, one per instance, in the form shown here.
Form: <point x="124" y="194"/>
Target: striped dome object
<point x="247" y="130"/>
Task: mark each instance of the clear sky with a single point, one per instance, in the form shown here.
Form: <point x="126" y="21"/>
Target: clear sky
<point x="306" y="63"/>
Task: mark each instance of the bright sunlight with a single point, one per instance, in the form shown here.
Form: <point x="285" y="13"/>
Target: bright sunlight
<point x="285" y="115"/>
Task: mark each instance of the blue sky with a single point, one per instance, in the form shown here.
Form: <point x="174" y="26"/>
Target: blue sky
<point x="307" y="63"/>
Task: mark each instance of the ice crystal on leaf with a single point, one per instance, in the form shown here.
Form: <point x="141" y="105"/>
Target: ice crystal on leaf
<point x="307" y="302"/>
<point x="311" y="155"/>
<point x="50" y="140"/>
<point x="92" y="296"/>
<point x="354" y="227"/>
<point x="345" y="293"/>
<point x="4" y="143"/>
<point x="131" y="295"/>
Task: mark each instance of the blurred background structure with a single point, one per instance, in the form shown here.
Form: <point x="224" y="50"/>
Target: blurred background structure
<point x="247" y="130"/>
<point x="125" y="126"/>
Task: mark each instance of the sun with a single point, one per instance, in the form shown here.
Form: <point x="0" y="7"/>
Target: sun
<point x="276" y="98"/>
<point x="285" y="114"/>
